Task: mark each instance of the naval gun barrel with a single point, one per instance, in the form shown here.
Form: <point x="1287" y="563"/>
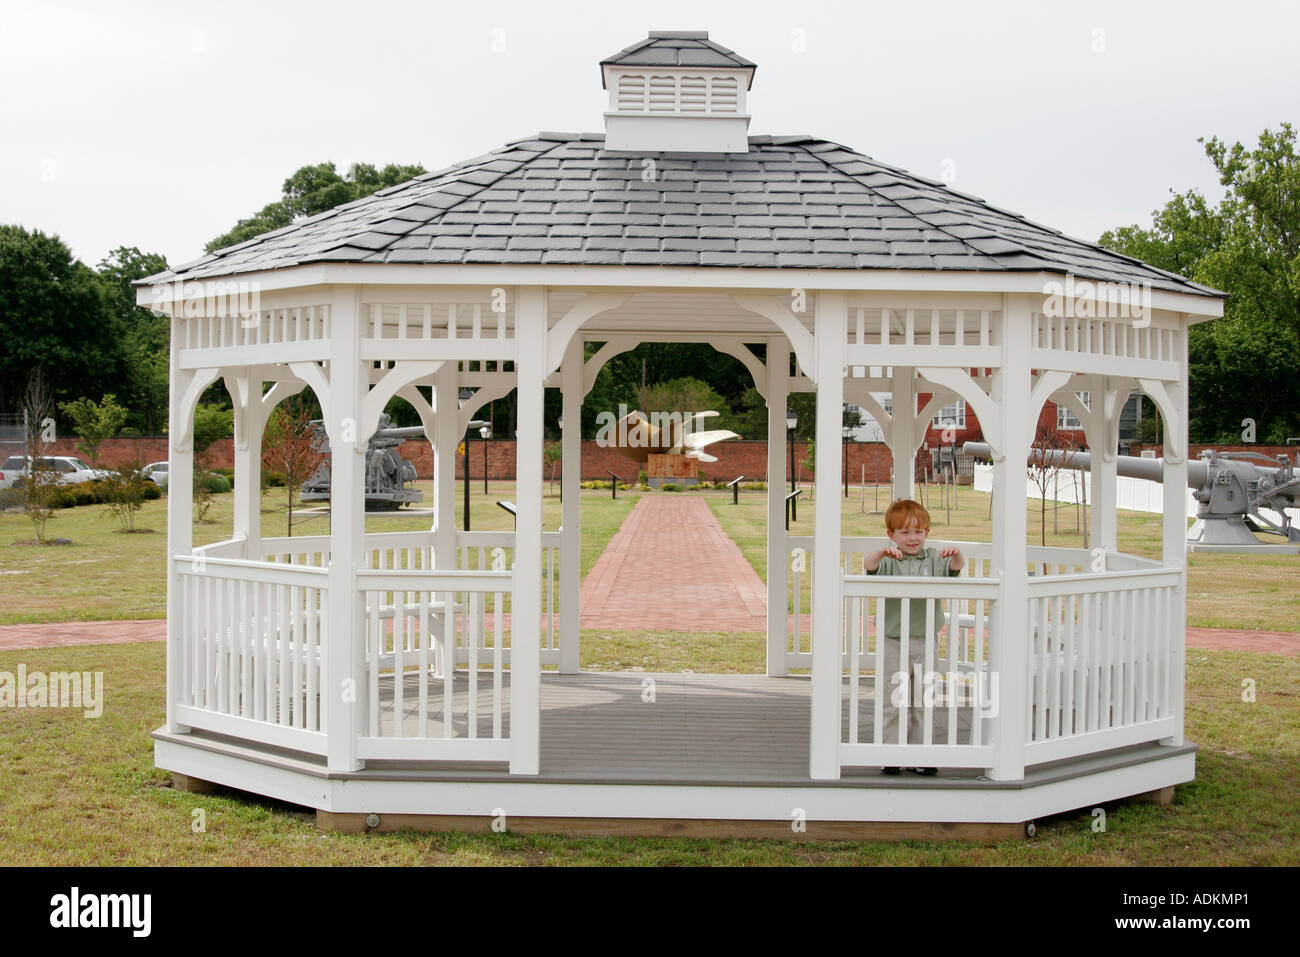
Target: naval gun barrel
<point x="408" y="432"/>
<point x="1127" y="465"/>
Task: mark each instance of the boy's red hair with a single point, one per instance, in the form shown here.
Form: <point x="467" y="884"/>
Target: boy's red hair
<point x="905" y="512"/>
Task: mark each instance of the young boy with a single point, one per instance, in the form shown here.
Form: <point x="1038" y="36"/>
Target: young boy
<point x="907" y="524"/>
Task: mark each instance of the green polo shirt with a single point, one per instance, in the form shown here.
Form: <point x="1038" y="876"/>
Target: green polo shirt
<point x="925" y="563"/>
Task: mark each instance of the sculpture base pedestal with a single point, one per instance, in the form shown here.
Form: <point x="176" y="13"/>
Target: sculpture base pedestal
<point x="672" y="469"/>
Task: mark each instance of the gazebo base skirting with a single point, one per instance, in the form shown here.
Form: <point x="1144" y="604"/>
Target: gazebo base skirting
<point x="703" y="755"/>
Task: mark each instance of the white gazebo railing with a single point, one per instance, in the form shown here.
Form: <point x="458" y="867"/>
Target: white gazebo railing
<point x="1102" y="656"/>
<point x="1103" y="669"/>
<point x="436" y="642"/>
<point x="955" y="686"/>
<point x="418" y="706"/>
<point x="249" y="646"/>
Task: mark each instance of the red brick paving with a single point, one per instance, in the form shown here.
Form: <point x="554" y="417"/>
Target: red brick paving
<point x="1269" y="642"/>
<point x="671" y="567"/>
<point x="67" y="633"/>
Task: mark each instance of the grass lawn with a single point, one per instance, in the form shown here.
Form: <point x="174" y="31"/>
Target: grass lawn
<point x="85" y="792"/>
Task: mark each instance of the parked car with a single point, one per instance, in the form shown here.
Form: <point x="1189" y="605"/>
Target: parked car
<point x="156" y="472"/>
<point x="71" y="471"/>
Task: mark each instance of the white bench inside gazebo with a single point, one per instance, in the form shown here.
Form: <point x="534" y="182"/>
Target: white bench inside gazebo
<point x="432" y="677"/>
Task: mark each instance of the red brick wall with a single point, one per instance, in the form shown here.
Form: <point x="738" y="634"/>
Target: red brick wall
<point x="748" y="458"/>
<point x="115" y="452"/>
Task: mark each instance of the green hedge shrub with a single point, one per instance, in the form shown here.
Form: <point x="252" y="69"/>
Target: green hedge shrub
<point x="97" y="492"/>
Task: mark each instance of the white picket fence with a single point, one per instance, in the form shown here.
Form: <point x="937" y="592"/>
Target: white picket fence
<point x="1070" y="486"/>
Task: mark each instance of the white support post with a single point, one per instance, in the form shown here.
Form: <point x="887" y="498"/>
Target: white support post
<point x="778" y="558"/>
<point x="900" y="434"/>
<point x="1104" y="467"/>
<point x="343" y="685"/>
<point x="1174" y="551"/>
<point x="180" y="519"/>
<point x="526" y="607"/>
<point x="249" y="424"/>
<point x="445" y="438"/>
<point x="831" y="332"/>
<point x="1009" y="648"/>
<point x="571" y="388"/>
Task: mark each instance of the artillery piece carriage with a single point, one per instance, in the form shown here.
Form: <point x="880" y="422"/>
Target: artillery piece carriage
<point x="388" y="475"/>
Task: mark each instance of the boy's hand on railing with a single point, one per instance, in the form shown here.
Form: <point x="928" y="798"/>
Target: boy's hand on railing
<point x="871" y="560"/>
<point x="958" y="560"/>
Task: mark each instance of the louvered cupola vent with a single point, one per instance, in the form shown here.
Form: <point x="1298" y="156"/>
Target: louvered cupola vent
<point x="677" y="92"/>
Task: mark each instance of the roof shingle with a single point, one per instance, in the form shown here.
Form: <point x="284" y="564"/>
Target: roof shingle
<point x="791" y="201"/>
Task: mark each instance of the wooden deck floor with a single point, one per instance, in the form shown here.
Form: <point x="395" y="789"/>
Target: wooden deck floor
<point x="630" y="727"/>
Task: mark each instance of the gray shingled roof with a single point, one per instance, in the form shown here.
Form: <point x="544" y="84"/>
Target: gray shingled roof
<point x="677" y="48"/>
<point x="791" y="201"/>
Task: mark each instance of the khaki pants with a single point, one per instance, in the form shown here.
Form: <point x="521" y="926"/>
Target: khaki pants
<point x="896" y="690"/>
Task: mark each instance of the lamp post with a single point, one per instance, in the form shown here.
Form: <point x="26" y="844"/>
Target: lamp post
<point x="844" y="445"/>
<point x="469" y="435"/>
<point x="560" y="423"/>
<point x="791" y="421"/>
<point x="485" y="433"/>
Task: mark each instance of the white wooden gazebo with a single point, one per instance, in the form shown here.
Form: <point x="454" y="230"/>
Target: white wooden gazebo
<point x="381" y="678"/>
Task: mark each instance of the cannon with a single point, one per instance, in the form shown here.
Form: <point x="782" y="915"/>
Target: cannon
<point x="1231" y="492"/>
<point x="388" y="475"/>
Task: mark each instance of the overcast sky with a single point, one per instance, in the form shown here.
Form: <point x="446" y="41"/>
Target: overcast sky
<point x="158" y="125"/>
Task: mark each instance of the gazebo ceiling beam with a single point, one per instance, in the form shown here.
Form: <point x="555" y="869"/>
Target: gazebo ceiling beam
<point x="861" y="395"/>
<point x="801" y="338"/>
<point x="428" y="418"/>
<point x="557" y="338"/>
<point x="612" y="347"/>
<point x="1175" y="431"/>
<point x="941" y="396"/>
<point x="738" y="350"/>
<point x="484" y="395"/>
<point x="1046" y="382"/>
<point x="198" y="381"/>
<point x="960" y="382"/>
<point x="315" y="377"/>
<point x="401" y="375"/>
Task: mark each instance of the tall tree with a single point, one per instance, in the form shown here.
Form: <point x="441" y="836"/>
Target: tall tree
<point x="94" y="422"/>
<point x="315" y="189"/>
<point x="53" y="315"/>
<point x="145" y="337"/>
<point x="1247" y="364"/>
<point x="289" y="447"/>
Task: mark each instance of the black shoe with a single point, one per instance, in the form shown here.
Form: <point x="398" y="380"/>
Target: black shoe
<point x="891" y="770"/>
<point x="926" y="771"/>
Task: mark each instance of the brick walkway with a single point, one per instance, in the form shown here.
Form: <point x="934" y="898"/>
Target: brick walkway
<point x="1269" y="642"/>
<point x="670" y="567"/>
<point x="67" y="633"/>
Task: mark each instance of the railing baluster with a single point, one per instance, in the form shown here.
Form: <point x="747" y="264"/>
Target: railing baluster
<point x="498" y="623"/>
<point x="447" y="601"/>
<point x="314" y="648"/>
<point x="375" y="648"/>
<point x="471" y="650"/>
<point x="853" y="641"/>
<point x="927" y="700"/>
<point x="880" y="689"/>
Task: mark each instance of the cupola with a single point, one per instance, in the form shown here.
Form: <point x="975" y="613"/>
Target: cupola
<point x="677" y="92"/>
